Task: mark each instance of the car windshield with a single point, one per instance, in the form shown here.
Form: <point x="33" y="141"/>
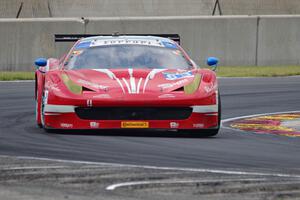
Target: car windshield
<point x="127" y="56"/>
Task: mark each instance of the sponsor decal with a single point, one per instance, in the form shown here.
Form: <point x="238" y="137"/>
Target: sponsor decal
<point x="98" y="86"/>
<point x="166" y="96"/>
<point x="94" y="124"/>
<point x="209" y="88"/>
<point x="280" y="124"/>
<point x="53" y="87"/>
<point x="198" y="125"/>
<point x="135" y="124"/>
<point x="175" y="76"/>
<point x="89" y="103"/>
<point x="125" y="41"/>
<point x="174" y="125"/>
<point x="83" y="45"/>
<point x="170" y="85"/>
<point x="66" y="125"/>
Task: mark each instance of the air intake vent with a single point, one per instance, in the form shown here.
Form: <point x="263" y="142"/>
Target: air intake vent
<point x="134" y="113"/>
<point x="181" y="89"/>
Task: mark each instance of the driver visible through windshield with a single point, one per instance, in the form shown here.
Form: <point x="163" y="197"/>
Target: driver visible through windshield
<point x="127" y="56"/>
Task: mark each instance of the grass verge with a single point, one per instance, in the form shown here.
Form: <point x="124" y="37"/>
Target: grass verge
<point x="11" y="76"/>
<point x="258" y="71"/>
<point x="222" y="71"/>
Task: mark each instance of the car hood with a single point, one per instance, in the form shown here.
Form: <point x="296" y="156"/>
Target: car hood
<point x="131" y="81"/>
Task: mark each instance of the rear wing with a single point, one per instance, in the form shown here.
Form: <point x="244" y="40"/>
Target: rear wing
<point x="75" y="37"/>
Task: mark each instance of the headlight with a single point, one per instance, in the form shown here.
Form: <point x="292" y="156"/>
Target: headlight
<point x="73" y="87"/>
<point x="193" y="86"/>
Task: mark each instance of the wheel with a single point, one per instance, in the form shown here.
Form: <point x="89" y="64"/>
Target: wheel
<point x="38" y="104"/>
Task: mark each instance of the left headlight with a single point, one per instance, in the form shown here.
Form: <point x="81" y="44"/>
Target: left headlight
<point x="72" y="86"/>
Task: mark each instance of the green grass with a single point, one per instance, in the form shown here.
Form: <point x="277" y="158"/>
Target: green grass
<point x="222" y="71"/>
<point x="11" y="76"/>
<point x="258" y="71"/>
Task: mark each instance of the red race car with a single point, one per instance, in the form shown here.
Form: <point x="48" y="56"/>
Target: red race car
<point x="127" y="82"/>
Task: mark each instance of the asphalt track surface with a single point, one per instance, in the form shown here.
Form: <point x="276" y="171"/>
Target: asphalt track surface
<point x="232" y="149"/>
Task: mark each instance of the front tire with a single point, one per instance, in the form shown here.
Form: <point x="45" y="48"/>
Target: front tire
<point x="38" y="105"/>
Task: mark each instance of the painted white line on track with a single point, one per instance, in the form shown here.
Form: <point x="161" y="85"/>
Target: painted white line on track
<point x="134" y="183"/>
<point x="32" y="167"/>
<point x="201" y="170"/>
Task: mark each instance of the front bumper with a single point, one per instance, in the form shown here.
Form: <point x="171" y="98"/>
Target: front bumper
<point x="65" y="117"/>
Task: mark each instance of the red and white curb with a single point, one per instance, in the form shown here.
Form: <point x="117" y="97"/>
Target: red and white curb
<point x="279" y="123"/>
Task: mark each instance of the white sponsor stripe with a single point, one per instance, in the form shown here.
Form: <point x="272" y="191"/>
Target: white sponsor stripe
<point x="127" y="85"/>
<point x="132" y="81"/>
<point x="205" y="109"/>
<point x="130" y="71"/>
<point x="151" y="76"/>
<point x="59" y="108"/>
<point x="139" y="85"/>
<point x="118" y="80"/>
<point x="134" y="183"/>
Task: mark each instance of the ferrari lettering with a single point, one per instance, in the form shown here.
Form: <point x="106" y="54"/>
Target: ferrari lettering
<point x="125" y="41"/>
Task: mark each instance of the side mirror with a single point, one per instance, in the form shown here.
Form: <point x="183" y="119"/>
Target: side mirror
<point x="40" y="62"/>
<point x="212" y="61"/>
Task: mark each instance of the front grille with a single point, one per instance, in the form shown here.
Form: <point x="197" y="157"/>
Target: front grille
<point x="134" y="113"/>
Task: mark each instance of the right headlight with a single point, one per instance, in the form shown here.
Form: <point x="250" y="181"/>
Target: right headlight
<point x="193" y="86"/>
